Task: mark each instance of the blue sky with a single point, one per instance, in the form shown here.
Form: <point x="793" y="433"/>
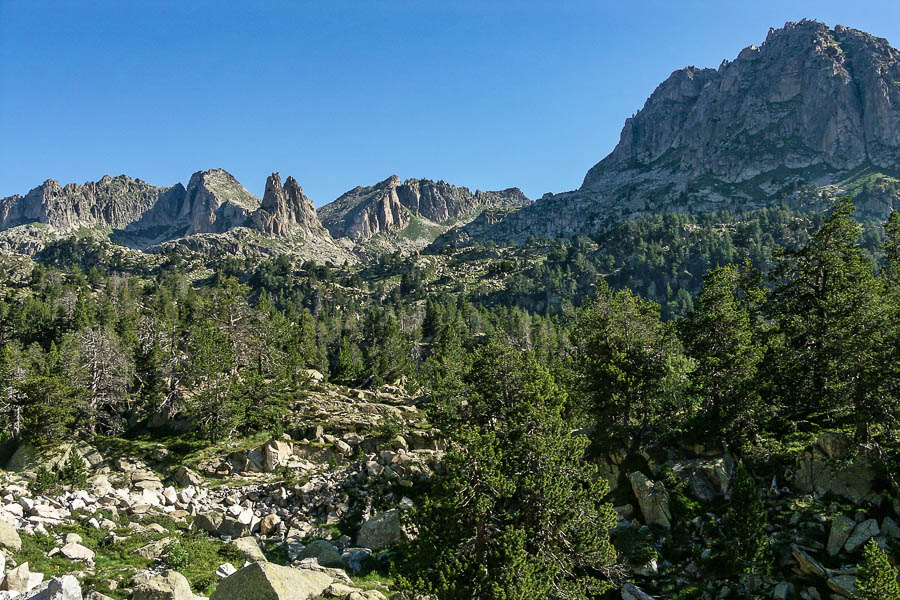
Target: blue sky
<point x="483" y="94"/>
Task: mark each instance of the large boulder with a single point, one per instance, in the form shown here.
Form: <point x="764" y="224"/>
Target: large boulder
<point x="851" y="479"/>
<point x="21" y="579"/>
<point x="216" y="523"/>
<point x="60" y="588"/>
<point x="250" y="548"/>
<point x="841" y="527"/>
<point x="706" y="478"/>
<point x="381" y="531"/>
<point x="9" y="538"/>
<point x="30" y="459"/>
<point x="267" y="581"/>
<point x="325" y="553"/>
<point x="167" y="585"/>
<point x="862" y="533"/>
<point x="653" y="500"/>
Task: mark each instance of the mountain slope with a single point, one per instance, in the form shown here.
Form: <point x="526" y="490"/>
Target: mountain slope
<point x="414" y="211"/>
<point x="810" y="114"/>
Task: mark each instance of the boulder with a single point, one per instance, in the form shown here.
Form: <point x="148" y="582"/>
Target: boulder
<point x="889" y="529"/>
<point x="381" y="531"/>
<point x="841" y="527"/>
<point x="275" y="454"/>
<point x="862" y="533"/>
<point x="28" y="458"/>
<point x="267" y="581"/>
<point x="9" y="537"/>
<point x="834" y="445"/>
<point x="167" y="585"/>
<point x="20" y="579"/>
<point x="633" y="592"/>
<point x="155" y="549"/>
<point x="250" y="547"/>
<point x="807" y="563"/>
<point x="269" y="524"/>
<point x="325" y="553"/>
<point x="653" y="500"/>
<point x="74" y="551"/>
<point x="843" y="584"/>
<point x="849" y="479"/>
<point x="186" y="477"/>
<point x="96" y="596"/>
<point x="706" y="478"/>
<point x="216" y="523"/>
<point x="60" y="588"/>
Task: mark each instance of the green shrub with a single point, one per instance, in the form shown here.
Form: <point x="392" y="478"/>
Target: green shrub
<point x="45" y="481"/>
<point x="74" y="472"/>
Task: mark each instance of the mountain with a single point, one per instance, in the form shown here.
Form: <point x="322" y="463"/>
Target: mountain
<point x="416" y="210"/>
<point x="811" y="114"/>
<point x="214" y="213"/>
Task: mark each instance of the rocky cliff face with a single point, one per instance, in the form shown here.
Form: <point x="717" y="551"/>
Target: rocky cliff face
<point x="811" y="112"/>
<point x="389" y="206"/>
<point x="213" y="213"/>
<point x="286" y="209"/>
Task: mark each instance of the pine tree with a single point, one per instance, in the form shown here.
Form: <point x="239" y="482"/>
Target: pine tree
<point x="877" y="579"/>
<point x="630" y="367"/>
<point x="745" y="528"/>
<point x="832" y="317"/>
<point x="518" y="514"/>
<point x="719" y="337"/>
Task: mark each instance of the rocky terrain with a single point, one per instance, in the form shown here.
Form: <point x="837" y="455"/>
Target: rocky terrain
<point x="809" y="115"/>
<point x="213" y="213"/>
<point x="417" y="209"/>
<point x="313" y="513"/>
<point x="304" y="514"/>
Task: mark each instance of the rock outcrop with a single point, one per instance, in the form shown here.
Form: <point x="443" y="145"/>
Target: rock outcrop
<point x="390" y="205"/>
<point x="811" y="114"/>
<point x="286" y="209"/>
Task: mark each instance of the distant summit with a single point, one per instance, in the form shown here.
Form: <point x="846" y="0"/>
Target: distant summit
<point x="810" y="114"/>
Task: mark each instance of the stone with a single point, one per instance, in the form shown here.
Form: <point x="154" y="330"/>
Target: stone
<point x="381" y="531"/>
<point x="275" y="454"/>
<point x="834" y="445"/>
<point x="269" y="524"/>
<point x="782" y="591"/>
<point x="862" y="533"/>
<point x="18" y="579"/>
<point x="186" y="477"/>
<point x="96" y="596"/>
<point x="807" y="563"/>
<point x="9" y="537"/>
<point x="632" y="592"/>
<point x="841" y="527"/>
<point x="843" y="584"/>
<point x="267" y="581"/>
<point x="889" y="529"/>
<point x="77" y="552"/>
<point x="155" y="549"/>
<point x="850" y="479"/>
<point x="250" y="547"/>
<point x="167" y="585"/>
<point x="653" y="500"/>
<point x="61" y="588"/>
<point x="325" y="553"/>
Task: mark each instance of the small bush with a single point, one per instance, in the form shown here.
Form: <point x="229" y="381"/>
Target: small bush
<point x="45" y="481"/>
<point x="74" y="472"/>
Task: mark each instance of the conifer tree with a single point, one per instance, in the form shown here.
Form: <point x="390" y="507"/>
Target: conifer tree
<point x="877" y="579"/>
<point x="518" y="514"/>
<point x="745" y="528"/>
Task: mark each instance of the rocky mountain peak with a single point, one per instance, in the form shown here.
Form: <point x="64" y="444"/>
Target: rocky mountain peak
<point x="285" y="209"/>
<point x="810" y="108"/>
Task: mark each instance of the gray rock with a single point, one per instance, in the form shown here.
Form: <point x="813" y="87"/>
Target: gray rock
<point x="250" y="547"/>
<point x="9" y="537"/>
<point x="381" y="531"/>
<point x="325" y="553"/>
<point x="632" y="592"/>
<point x="167" y="585"/>
<point x="61" y="588"/>
<point x="841" y="527"/>
<point x="843" y="584"/>
<point x="652" y="498"/>
<point x="862" y="533"/>
<point x="807" y="563"/>
<point x="267" y="581"/>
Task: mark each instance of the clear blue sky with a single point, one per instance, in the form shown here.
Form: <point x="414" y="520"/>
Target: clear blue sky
<point x="483" y="94"/>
